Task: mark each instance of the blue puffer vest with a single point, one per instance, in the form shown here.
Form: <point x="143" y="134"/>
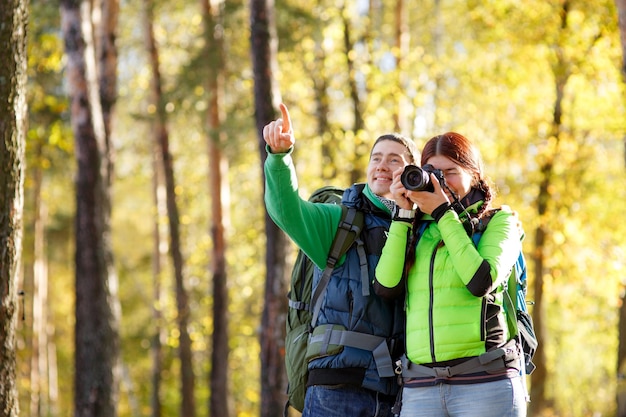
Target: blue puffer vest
<point x="345" y="305"/>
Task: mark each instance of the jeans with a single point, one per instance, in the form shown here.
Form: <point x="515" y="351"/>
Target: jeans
<point x="345" y="401"/>
<point x="505" y="398"/>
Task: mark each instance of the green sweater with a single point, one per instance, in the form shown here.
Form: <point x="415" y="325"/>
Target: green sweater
<point x="311" y="226"/>
<point x="445" y="321"/>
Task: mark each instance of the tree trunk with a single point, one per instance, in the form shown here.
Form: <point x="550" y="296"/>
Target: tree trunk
<point x="319" y="78"/>
<point x="13" y="119"/>
<point x="188" y="407"/>
<point x="158" y="254"/>
<point x="107" y="74"/>
<point x="218" y="187"/>
<point x="39" y="363"/>
<point x="621" y="352"/>
<point x="402" y="36"/>
<point x="266" y="97"/>
<point x="538" y="393"/>
<point x="357" y="170"/>
<point x="97" y="308"/>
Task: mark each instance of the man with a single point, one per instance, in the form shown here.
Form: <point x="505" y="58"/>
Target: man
<point x="344" y="380"/>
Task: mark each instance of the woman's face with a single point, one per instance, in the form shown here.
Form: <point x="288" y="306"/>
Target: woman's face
<point x="457" y="178"/>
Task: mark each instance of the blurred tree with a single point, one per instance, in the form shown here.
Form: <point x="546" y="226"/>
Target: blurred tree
<point x="563" y="64"/>
<point x="91" y="67"/>
<point x="263" y="43"/>
<point x="159" y="237"/>
<point x="40" y="368"/>
<point x="161" y="138"/>
<point x="218" y="190"/>
<point x="356" y="91"/>
<point x="13" y="125"/>
<point x="159" y="252"/>
<point x="48" y="147"/>
<point x="482" y="68"/>
<point x="621" y="352"/>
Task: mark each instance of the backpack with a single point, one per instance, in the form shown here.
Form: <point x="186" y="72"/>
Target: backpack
<point x="303" y="305"/>
<point x="520" y="322"/>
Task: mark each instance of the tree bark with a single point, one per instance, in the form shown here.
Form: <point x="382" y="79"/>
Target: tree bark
<point x="188" y="407"/>
<point x="266" y="98"/>
<point x="97" y="309"/>
<point x="218" y="187"/>
<point x="13" y="126"/>
<point x="107" y="74"/>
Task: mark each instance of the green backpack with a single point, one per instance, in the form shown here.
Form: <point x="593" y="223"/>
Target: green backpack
<point x="302" y="311"/>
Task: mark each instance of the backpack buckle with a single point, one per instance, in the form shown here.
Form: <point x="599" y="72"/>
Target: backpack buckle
<point x="443" y="372"/>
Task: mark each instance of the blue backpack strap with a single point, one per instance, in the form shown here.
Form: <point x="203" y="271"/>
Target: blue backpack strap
<point x="344" y="238"/>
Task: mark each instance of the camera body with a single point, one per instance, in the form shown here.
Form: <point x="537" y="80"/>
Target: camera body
<point x="415" y="178"/>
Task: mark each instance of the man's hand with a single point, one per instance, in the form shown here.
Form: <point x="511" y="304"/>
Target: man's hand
<point x="278" y="134"/>
<point x="399" y="192"/>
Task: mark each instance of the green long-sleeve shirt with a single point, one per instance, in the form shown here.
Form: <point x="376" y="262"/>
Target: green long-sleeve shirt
<point x="311" y="226"/>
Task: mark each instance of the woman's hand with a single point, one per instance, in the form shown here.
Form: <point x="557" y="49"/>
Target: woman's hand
<point x="428" y="201"/>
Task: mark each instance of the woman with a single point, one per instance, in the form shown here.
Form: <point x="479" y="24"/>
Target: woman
<point x="460" y="361"/>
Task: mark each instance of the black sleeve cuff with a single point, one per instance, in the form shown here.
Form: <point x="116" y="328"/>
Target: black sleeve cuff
<point x="440" y="211"/>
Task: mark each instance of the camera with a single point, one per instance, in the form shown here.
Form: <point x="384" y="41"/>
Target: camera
<point x="415" y="178"/>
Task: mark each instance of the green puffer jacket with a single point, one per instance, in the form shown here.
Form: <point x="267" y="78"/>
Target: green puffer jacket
<point x="454" y="289"/>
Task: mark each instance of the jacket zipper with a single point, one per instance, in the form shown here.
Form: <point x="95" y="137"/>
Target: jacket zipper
<point x="431" y="301"/>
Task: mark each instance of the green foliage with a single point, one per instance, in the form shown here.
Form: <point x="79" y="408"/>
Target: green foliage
<point x="481" y="68"/>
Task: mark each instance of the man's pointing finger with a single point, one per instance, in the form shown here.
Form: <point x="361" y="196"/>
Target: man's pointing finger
<point x="286" y="118"/>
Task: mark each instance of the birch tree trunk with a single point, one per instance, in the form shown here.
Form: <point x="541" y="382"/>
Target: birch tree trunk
<point x="13" y="119"/>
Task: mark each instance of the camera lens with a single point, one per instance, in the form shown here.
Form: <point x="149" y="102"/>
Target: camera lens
<point x="415" y="178"/>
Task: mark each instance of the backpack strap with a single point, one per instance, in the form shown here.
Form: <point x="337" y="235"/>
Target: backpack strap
<point x="375" y="344"/>
<point x="492" y="361"/>
<point x="365" y="284"/>
<point x="348" y="233"/>
<point x="510" y="284"/>
<point x="349" y="228"/>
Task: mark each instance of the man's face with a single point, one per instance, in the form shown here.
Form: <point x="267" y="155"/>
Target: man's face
<point x="387" y="156"/>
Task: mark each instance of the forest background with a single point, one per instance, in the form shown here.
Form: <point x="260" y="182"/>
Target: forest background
<point x="536" y="84"/>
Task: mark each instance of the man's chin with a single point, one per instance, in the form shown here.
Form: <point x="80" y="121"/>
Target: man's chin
<point x="380" y="190"/>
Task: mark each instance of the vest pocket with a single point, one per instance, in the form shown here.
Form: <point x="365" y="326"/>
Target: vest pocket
<point x="320" y="343"/>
